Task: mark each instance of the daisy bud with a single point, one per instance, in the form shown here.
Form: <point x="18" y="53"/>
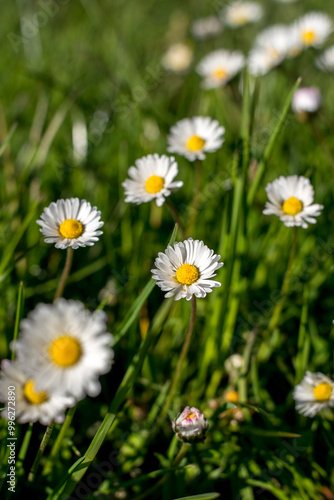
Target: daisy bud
<point x="190" y="426"/>
<point x="306" y="102"/>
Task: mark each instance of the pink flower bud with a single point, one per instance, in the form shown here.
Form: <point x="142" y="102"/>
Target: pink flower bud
<point x="190" y="425"/>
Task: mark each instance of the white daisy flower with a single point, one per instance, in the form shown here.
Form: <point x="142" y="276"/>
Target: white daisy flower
<point x="206" y="27"/>
<point x="238" y="13"/>
<point x="291" y="199"/>
<point x="151" y="179"/>
<point x="325" y="62"/>
<point x="30" y="405"/>
<point x="193" y="137"/>
<point x="190" y="426"/>
<point x="219" y="67"/>
<point x="65" y="348"/>
<point x="186" y="270"/>
<point x="314" y="393"/>
<point x="314" y="28"/>
<point x="271" y="47"/>
<point x="178" y="58"/>
<point x="306" y="100"/>
<point x="71" y="223"/>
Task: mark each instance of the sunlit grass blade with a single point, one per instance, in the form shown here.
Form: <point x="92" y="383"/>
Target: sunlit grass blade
<point x="19" y="307"/>
<point x="202" y="496"/>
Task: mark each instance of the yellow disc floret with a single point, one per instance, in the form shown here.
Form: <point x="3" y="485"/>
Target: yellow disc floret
<point x="71" y="228"/>
<point x="219" y="74"/>
<point x="65" y="351"/>
<point x="32" y="396"/>
<point x="292" y="206"/>
<point x="195" y="143"/>
<point x="323" y="391"/>
<point x="187" y="274"/>
<point x="308" y="37"/>
<point x="154" y="184"/>
<point x="231" y="396"/>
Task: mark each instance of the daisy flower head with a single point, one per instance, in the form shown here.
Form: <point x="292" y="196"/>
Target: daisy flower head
<point x="314" y="393"/>
<point x="190" y="426"/>
<point x="71" y="223"/>
<point x="178" y="58"/>
<point x="65" y="348"/>
<point x="314" y="28"/>
<point x="152" y="178"/>
<point x="239" y="13"/>
<point x="219" y="67"/>
<point x="291" y="199"/>
<point x="206" y="27"/>
<point x="193" y="137"/>
<point x="306" y="101"/>
<point x="186" y="270"/>
<point x="30" y="405"/>
<point x="325" y="61"/>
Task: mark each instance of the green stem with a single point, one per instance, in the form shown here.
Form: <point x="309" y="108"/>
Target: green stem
<point x="17" y="318"/>
<point x="40" y="452"/>
<point x="65" y="273"/>
<point x="176" y="217"/>
<point x="182" y="357"/>
<point x="24" y="446"/>
<point x="57" y="444"/>
<point x="195" y="203"/>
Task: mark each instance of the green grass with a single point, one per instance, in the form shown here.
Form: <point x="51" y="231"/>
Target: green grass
<point x="96" y="65"/>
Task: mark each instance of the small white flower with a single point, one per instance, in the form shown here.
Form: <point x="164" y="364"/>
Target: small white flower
<point x="178" y="58"/>
<point x="219" y="67"/>
<point x="291" y="199"/>
<point x="325" y="61"/>
<point x="306" y="100"/>
<point x="193" y="137"/>
<point x="314" y="393"/>
<point x="186" y="270"/>
<point x="190" y="426"/>
<point x="65" y="348"/>
<point x="151" y="179"/>
<point x="71" y="223"/>
<point x="30" y="405"/>
<point x="314" y="28"/>
<point x="239" y="13"/>
<point x="271" y="47"/>
<point x="206" y="27"/>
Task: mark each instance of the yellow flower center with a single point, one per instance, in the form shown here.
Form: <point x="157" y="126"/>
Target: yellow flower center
<point x="322" y="392"/>
<point x="32" y="396"/>
<point x="292" y="206"/>
<point x="187" y="274"/>
<point x="154" y="184"/>
<point x="71" y="228"/>
<point x="308" y="37"/>
<point x="195" y="143"/>
<point x="65" y="351"/>
<point x="219" y="74"/>
<point x="231" y="396"/>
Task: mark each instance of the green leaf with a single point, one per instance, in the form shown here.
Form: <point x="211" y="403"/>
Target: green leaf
<point x="203" y="496"/>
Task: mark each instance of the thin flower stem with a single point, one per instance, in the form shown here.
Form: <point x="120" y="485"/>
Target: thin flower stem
<point x="195" y="203"/>
<point x="182" y="357"/>
<point x="65" y="273"/>
<point x="176" y="216"/>
<point x="24" y="446"/>
<point x="57" y="444"/>
<point x="40" y="452"/>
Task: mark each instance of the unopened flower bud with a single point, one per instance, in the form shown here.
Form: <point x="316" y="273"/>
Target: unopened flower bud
<point x="190" y="426"/>
<point x="306" y="101"/>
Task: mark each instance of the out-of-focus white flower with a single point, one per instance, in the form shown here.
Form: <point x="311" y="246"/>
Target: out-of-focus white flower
<point x="306" y="101"/>
<point x="233" y="363"/>
<point x="219" y="67"/>
<point x="314" y="28"/>
<point x="186" y="270"/>
<point x="291" y="198"/>
<point x="325" y="61"/>
<point x="190" y="426"/>
<point x="65" y="348"/>
<point x="178" y="58"/>
<point x="206" y="27"/>
<point x="71" y="223"/>
<point x="193" y="137"/>
<point x="238" y="13"/>
<point x="314" y="393"/>
<point x="151" y="179"/>
<point x="30" y="405"/>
